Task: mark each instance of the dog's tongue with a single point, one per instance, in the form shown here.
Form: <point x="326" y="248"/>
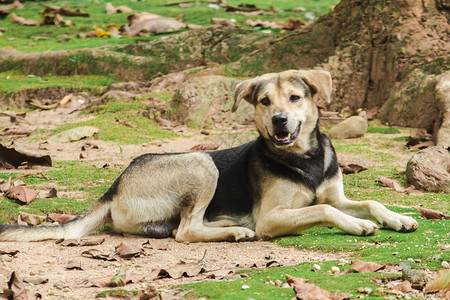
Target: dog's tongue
<point x="283" y="136"/>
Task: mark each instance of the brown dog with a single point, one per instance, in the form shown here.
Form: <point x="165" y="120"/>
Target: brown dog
<point x="285" y="181"/>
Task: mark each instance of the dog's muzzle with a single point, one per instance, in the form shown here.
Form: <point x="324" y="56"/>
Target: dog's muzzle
<point x="282" y="136"/>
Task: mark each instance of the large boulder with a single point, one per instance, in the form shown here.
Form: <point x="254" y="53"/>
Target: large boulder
<point x="352" y="127"/>
<point x="441" y="133"/>
<point x="429" y="169"/>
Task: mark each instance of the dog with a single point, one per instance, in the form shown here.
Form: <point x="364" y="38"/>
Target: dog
<point x="285" y="181"/>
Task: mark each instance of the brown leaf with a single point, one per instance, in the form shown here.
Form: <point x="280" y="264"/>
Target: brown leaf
<point x="82" y="242"/>
<point x="61" y="218"/>
<point x="16" y="156"/>
<point x="125" y="123"/>
<point x="372" y="113"/>
<point x="110" y="9"/>
<point x="389" y="182"/>
<point x="442" y="282"/>
<point x="404" y="287"/>
<point x="74" y="265"/>
<point x="97" y="254"/>
<point x="128" y="251"/>
<point x="21" y="193"/>
<point x="206" y="146"/>
<point x="156" y="245"/>
<point x="310" y="291"/>
<point x="163" y="122"/>
<point x="430" y="214"/>
<point x="152" y="24"/>
<point x="365" y="266"/>
<point x="9" y="252"/>
<point x="31" y="219"/>
<point x="351" y="168"/>
<point x="178" y="271"/>
<point x="422" y="145"/>
<point x="23" y="21"/>
<point x="52" y="193"/>
<point x="5" y="184"/>
<point x="17" y="288"/>
<point x="222" y="22"/>
<point x="15" y="131"/>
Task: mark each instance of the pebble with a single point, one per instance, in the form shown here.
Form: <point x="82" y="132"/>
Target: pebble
<point x="316" y="267"/>
<point x="445" y="265"/>
<point x="335" y="270"/>
<point x="245" y="287"/>
<point x="342" y="262"/>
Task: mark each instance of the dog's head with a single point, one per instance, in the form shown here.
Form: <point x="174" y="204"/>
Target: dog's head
<point x="285" y="103"/>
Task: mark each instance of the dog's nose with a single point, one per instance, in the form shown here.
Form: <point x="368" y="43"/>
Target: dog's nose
<point x="279" y="120"/>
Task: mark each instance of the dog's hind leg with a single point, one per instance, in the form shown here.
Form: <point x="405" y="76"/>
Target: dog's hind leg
<point x="191" y="226"/>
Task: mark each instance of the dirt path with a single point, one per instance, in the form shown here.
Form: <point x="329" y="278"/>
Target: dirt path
<point x="48" y="261"/>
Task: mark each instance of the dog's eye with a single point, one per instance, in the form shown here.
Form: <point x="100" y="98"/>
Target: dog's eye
<point x="265" y="101"/>
<point x="294" y="98"/>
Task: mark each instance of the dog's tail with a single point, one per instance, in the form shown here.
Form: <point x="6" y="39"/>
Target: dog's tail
<point x="89" y="221"/>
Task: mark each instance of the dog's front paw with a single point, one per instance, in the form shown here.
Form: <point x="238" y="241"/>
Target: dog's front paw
<point x="401" y="223"/>
<point x="367" y="228"/>
<point x="243" y="234"/>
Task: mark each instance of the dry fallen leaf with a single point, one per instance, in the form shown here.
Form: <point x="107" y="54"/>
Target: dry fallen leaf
<point x="206" y="146"/>
<point x="156" y="244"/>
<point x="389" y="182"/>
<point x="15" y="156"/>
<point x="310" y="291"/>
<point x="21" y="193"/>
<point x="5" y="184"/>
<point x="430" y="214"/>
<point x="120" y="278"/>
<point x="74" y="265"/>
<point x="164" y="122"/>
<point x="222" y="22"/>
<point x="22" y="21"/>
<point x="404" y="287"/>
<point x="61" y="218"/>
<point x="128" y="251"/>
<point x="30" y="219"/>
<point x="110" y="9"/>
<point x="152" y="24"/>
<point x="9" y="252"/>
<point x="125" y="123"/>
<point x="351" y="168"/>
<point x="17" y="288"/>
<point x="178" y="271"/>
<point x="97" y="254"/>
<point x="15" y="131"/>
<point x="365" y="266"/>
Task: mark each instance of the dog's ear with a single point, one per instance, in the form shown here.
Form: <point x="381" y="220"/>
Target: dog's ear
<point x="319" y="82"/>
<point x="244" y="90"/>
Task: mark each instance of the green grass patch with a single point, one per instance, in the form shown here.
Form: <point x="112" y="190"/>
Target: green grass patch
<point x="116" y="293"/>
<point x="110" y="130"/>
<point x="45" y="37"/>
<point x="13" y="82"/>
<point x="383" y="130"/>
<point x="259" y="287"/>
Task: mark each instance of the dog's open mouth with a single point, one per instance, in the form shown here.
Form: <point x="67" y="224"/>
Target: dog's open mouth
<point x="283" y="138"/>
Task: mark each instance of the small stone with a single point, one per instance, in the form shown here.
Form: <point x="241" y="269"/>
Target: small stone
<point x="278" y="282"/>
<point x="445" y="265"/>
<point x="335" y="270"/>
<point x="245" y="287"/>
<point x="59" y="285"/>
<point x="394" y="253"/>
<point x="316" y="267"/>
<point x="342" y="262"/>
